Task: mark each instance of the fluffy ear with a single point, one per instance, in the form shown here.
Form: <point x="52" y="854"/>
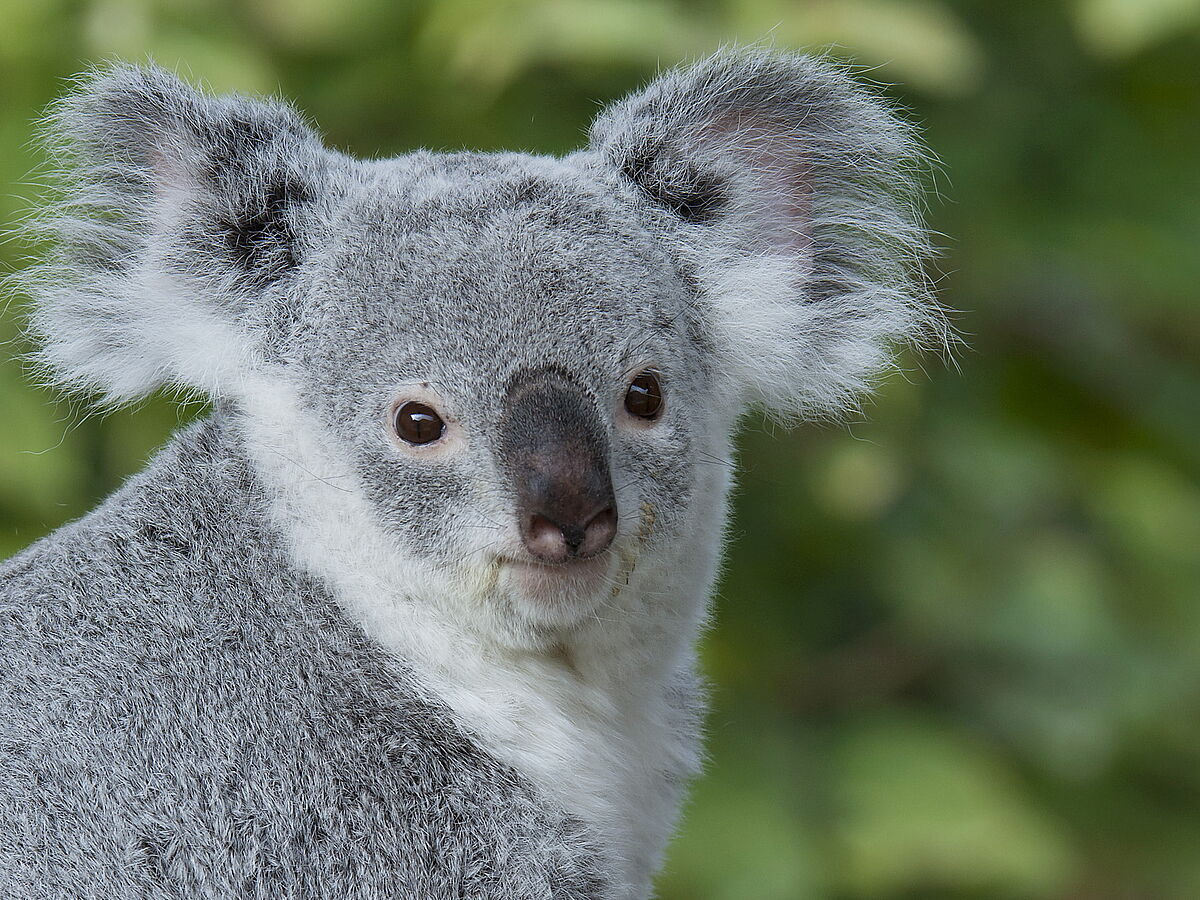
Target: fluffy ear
<point x="793" y="195"/>
<point x="181" y="213"/>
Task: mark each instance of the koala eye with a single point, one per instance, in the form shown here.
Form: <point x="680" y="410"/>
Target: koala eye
<point x="644" y="396"/>
<point x="417" y="423"/>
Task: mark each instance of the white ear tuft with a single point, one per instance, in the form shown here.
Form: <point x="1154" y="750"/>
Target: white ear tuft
<point x="795" y="198"/>
<point x="178" y="211"/>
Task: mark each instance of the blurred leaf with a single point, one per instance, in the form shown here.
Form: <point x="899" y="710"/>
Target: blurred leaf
<point x="1124" y="27"/>
<point x="1153" y="510"/>
<point x="489" y="43"/>
<point x="858" y="480"/>
<point x="120" y="28"/>
<point x="927" y="809"/>
<point x="319" y="25"/>
<point x="30" y="30"/>
<point x="922" y="43"/>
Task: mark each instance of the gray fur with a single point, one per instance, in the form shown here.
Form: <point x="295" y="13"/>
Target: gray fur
<point x="186" y="716"/>
<point x="284" y="662"/>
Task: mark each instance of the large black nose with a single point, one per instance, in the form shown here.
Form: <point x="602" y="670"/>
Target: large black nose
<point x="554" y="449"/>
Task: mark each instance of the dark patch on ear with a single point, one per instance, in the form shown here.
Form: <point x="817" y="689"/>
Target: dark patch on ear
<point x="696" y="197"/>
<point x="261" y="239"/>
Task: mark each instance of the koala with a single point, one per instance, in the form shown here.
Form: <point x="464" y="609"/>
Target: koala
<point x="413" y="613"/>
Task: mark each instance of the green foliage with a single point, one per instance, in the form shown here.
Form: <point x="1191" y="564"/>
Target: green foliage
<point x="958" y="646"/>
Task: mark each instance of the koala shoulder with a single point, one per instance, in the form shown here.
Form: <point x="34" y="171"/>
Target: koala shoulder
<point x="168" y="674"/>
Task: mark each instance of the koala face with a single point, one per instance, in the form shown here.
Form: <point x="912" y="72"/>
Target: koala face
<point x="515" y="309"/>
<point x="525" y="372"/>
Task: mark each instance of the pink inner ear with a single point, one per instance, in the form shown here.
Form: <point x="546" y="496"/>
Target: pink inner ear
<point x="169" y="176"/>
<point x="767" y="163"/>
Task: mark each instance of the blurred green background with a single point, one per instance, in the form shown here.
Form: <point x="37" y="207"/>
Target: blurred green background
<point x="958" y="645"/>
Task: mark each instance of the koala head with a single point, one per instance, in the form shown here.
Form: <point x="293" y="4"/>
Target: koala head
<point x="524" y="372"/>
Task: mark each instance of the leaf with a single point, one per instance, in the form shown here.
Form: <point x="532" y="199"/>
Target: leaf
<point x="924" y="808"/>
<point x="1119" y="28"/>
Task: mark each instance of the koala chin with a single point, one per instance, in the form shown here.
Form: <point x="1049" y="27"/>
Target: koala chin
<point x="413" y="613"/>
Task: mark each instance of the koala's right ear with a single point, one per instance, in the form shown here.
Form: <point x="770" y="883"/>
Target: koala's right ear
<point x="180" y="214"/>
<point x="794" y="196"/>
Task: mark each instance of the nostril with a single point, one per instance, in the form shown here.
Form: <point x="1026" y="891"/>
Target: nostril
<point x="545" y="540"/>
<point x="599" y="532"/>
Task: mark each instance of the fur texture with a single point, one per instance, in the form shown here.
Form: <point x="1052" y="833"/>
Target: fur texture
<point x="186" y="715"/>
<point x="299" y="657"/>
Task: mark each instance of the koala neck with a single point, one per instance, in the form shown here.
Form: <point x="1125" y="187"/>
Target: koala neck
<point x="604" y="721"/>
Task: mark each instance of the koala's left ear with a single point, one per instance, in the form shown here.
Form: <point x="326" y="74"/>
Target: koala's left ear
<point x="182" y="218"/>
<point x="793" y="195"/>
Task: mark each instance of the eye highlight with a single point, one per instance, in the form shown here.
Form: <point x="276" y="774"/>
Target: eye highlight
<point x="644" y="398"/>
<point x="418" y="423"/>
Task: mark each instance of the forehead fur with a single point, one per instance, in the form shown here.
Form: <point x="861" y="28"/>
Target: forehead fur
<point x="508" y="259"/>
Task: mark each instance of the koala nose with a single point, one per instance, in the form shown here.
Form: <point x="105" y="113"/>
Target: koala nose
<point x="552" y="541"/>
<point x="554" y="449"/>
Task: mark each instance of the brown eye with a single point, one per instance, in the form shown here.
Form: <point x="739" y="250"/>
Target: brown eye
<point x="644" y="397"/>
<point x="418" y="423"/>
